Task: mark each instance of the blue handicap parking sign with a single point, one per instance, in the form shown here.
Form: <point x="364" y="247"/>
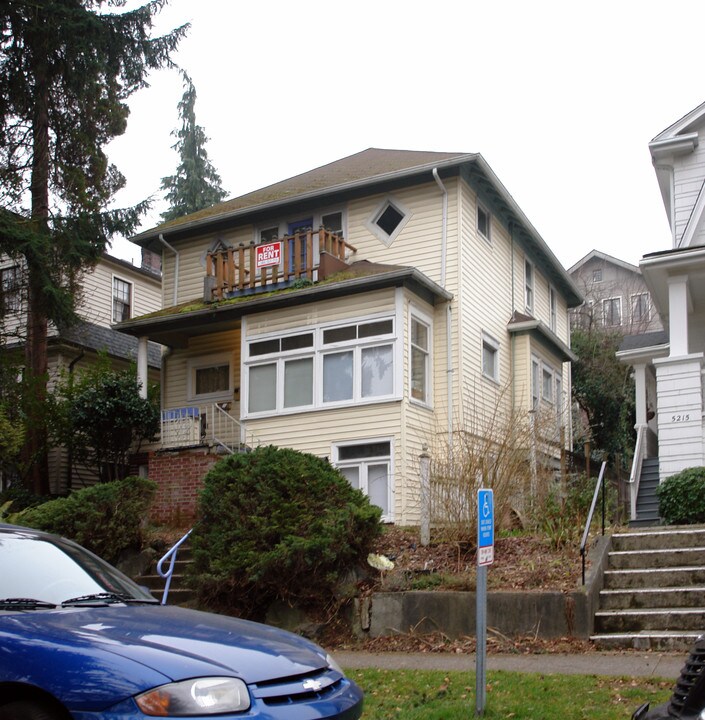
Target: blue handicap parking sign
<point x="485" y="527"/>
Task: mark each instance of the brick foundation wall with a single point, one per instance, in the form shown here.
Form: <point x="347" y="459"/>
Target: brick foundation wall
<point x="179" y="478"/>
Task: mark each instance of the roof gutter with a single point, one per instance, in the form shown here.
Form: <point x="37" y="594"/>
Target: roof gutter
<point x="176" y="266"/>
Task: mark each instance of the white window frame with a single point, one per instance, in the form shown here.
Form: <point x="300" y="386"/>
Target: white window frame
<point x="548" y="378"/>
<point x="114" y="298"/>
<point x="202" y="363"/>
<point x="529" y="284"/>
<point x="597" y="275"/>
<point x="417" y="316"/>
<point x="618" y="300"/>
<point x="634" y="300"/>
<point x="377" y="231"/>
<point x="482" y="209"/>
<point x="364" y="463"/>
<point x="490" y="343"/>
<point x="552" y="308"/>
<point x="318" y="352"/>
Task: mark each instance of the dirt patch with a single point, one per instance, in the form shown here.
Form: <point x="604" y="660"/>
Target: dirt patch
<point x="521" y="562"/>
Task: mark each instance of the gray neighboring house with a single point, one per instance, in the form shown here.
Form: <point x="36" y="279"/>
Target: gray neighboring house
<point x="616" y="296"/>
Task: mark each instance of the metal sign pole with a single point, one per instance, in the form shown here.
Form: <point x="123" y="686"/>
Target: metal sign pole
<point x="481" y="641"/>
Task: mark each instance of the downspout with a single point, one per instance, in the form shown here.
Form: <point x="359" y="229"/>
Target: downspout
<point x="512" y="354"/>
<point x="449" y="310"/>
<point x="176" y="266"/>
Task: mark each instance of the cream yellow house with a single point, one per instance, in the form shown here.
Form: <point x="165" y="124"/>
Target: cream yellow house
<point x="359" y="311"/>
<point x="112" y="291"/>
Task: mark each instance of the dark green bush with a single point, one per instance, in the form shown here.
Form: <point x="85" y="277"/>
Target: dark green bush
<point x="106" y="518"/>
<point x="681" y="497"/>
<point x="277" y="524"/>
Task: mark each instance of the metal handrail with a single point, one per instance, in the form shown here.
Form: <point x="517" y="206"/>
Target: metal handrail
<point x="600" y="484"/>
<point x="635" y="474"/>
<point x="168" y="574"/>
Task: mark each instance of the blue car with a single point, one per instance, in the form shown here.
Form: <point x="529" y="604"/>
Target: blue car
<point x="78" y="639"/>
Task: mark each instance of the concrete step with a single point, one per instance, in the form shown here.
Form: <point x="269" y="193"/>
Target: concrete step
<point x="654" y="619"/>
<point x="622" y="599"/>
<point x="658" y="539"/>
<point x="646" y="640"/>
<point x="655" y="559"/>
<point x="662" y="577"/>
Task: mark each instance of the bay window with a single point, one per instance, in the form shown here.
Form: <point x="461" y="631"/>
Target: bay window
<point x="341" y="364"/>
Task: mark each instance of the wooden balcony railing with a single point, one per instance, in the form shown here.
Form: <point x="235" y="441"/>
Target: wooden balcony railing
<point x="258" y="265"/>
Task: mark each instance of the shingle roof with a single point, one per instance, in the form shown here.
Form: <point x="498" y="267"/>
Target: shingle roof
<point x="363" y="166"/>
<point x="116" y="344"/>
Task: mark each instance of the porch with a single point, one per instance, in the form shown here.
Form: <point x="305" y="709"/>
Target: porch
<point x="214" y="425"/>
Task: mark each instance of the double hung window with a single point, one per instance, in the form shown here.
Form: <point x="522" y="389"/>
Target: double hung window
<point x="367" y="467"/>
<point x="529" y="285"/>
<point x="10" y="288"/>
<point x="122" y="300"/>
<point x="612" y="311"/>
<point x="419" y="344"/>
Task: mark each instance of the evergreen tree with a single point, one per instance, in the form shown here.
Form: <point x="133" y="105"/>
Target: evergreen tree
<point x="66" y="71"/>
<point x="196" y="184"/>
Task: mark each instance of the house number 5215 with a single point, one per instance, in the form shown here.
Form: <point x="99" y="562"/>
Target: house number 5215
<point x="680" y="418"/>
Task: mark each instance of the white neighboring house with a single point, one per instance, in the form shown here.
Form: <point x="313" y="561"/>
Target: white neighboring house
<point x="669" y="368"/>
<point x="113" y="291"/>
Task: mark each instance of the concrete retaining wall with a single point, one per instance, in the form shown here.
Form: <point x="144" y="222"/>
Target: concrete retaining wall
<point x="545" y="614"/>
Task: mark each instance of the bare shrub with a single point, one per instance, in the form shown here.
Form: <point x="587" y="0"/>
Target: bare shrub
<point x="514" y="452"/>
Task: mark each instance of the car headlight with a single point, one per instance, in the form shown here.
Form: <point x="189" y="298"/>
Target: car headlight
<point x="202" y="696"/>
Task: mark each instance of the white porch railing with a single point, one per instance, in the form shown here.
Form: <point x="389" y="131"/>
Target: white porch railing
<point x="195" y="425"/>
<point x="635" y="474"/>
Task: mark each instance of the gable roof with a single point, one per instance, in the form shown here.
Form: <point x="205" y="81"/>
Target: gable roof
<point x="596" y="254"/>
<point x="371" y="171"/>
<point x="680" y="138"/>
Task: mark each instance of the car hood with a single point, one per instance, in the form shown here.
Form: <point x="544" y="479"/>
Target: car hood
<point x="175" y="642"/>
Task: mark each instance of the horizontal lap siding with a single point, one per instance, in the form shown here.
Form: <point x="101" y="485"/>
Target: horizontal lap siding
<point x="328" y="311"/>
<point x="689" y="173"/>
<point x="192" y="264"/>
<point x="420" y="241"/>
<point x="486" y="306"/>
<point x="317" y="432"/>
<point x="176" y="390"/>
<point x="96" y="299"/>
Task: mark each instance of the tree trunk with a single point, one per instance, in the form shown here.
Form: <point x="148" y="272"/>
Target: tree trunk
<point x="36" y="362"/>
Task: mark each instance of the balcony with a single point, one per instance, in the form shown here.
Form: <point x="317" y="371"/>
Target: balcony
<point x="248" y="268"/>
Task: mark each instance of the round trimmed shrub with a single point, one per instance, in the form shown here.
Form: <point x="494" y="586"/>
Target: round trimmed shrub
<point x="277" y="524"/>
<point x="107" y="518"/>
<point x="681" y="497"/>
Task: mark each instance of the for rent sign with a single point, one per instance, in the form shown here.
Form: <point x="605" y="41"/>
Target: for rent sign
<point x="268" y="254"/>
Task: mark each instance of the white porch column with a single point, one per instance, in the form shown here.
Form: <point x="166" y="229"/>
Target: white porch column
<point x="678" y="305"/>
<point x="142" y="365"/>
<point x="640" y="393"/>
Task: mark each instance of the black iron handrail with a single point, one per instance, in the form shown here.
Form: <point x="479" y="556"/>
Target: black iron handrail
<point x="599" y="485"/>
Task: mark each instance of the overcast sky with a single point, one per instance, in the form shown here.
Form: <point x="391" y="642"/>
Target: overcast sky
<point x="561" y="98"/>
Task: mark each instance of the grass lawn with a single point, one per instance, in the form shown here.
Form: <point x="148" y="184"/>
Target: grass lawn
<point x="438" y="695"/>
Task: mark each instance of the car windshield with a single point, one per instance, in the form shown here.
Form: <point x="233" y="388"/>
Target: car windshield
<point x="52" y="570"/>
